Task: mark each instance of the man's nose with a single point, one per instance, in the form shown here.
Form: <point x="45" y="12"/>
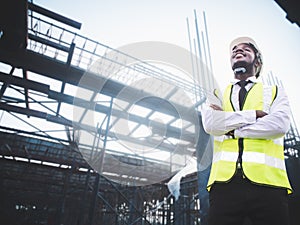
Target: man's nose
<point x="237" y="50"/>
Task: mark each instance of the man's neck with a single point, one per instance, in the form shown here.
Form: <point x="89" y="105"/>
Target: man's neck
<point x="243" y="76"/>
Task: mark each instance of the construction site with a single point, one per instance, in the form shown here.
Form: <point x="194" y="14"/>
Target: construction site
<point x="92" y="135"/>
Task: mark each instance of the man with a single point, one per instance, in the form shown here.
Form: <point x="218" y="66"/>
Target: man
<point x="248" y="177"/>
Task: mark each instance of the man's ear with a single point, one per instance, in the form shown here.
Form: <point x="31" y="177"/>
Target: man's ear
<point x="256" y="63"/>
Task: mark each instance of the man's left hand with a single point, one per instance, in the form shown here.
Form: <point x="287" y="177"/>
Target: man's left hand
<point x="216" y="107"/>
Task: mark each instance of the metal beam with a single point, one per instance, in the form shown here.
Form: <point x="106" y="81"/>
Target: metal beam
<point x="57" y="70"/>
<point x="6" y="82"/>
<point x="163" y="146"/>
<point x="54" y="15"/>
<point x="25" y="83"/>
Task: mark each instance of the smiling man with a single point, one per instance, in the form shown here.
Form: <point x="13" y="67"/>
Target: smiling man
<point x="248" y="178"/>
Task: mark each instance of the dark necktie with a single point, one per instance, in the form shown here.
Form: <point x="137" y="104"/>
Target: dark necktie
<point x="242" y="92"/>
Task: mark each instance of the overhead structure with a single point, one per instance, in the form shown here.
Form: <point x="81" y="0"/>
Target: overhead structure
<point x="291" y="7"/>
<point x="72" y="81"/>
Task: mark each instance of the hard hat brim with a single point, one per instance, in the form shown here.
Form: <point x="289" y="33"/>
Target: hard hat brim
<point x="245" y="40"/>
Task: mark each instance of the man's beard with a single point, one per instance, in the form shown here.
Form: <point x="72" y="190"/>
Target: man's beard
<point x="248" y="67"/>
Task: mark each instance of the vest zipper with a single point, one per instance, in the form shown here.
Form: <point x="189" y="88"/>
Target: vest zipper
<point x="239" y="160"/>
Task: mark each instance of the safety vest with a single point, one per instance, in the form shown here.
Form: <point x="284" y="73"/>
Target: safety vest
<point x="262" y="159"/>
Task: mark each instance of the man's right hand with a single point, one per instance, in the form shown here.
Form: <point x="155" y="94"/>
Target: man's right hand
<point x="260" y="114"/>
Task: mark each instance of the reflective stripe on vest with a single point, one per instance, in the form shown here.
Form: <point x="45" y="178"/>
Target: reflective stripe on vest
<point x="254" y="157"/>
<point x="259" y="156"/>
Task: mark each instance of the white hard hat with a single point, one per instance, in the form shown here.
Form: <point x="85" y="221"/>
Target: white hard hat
<point x="251" y="43"/>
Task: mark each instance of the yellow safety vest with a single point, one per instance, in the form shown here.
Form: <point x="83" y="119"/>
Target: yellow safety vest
<point x="262" y="160"/>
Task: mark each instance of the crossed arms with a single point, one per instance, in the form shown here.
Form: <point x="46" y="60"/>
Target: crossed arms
<point x="250" y="123"/>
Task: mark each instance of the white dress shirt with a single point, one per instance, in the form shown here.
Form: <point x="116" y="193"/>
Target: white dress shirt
<point x="244" y="123"/>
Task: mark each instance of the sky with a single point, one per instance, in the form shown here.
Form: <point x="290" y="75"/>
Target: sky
<point x="118" y="23"/>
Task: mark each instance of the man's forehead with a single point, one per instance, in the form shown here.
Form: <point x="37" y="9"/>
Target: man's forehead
<point x="243" y="45"/>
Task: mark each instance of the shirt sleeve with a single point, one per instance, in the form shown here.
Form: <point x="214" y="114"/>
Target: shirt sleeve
<point x="219" y="122"/>
<point x="274" y="125"/>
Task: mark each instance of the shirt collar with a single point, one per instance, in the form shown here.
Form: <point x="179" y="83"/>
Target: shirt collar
<point x="253" y="79"/>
